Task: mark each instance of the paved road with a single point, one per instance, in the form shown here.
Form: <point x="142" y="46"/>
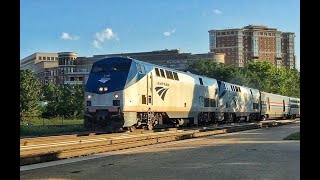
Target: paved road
<point x="254" y="154"/>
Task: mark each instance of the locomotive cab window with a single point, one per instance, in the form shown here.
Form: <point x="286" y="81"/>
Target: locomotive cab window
<point x="141" y="69"/>
<point x="102" y="68"/>
<point x="121" y="66"/>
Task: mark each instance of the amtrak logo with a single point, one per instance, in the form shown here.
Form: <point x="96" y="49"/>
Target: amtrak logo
<point x="104" y="79"/>
<point x="162" y="91"/>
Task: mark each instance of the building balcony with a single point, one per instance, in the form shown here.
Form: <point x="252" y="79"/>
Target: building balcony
<point x="76" y="73"/>
<point x="73" y="82"/>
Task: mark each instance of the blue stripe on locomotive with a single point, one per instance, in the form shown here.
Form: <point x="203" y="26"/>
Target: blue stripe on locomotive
<point x="116" y="80"/>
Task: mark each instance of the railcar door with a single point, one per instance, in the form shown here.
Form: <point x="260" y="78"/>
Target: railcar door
<point x="150" y="89"/>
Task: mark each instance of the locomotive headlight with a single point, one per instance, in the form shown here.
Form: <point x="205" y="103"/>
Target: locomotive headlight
<point x="105" y="88"/>
<point x="116" y="96"/>
<point x="100" y="89"/>
<point x="89" y="96"/>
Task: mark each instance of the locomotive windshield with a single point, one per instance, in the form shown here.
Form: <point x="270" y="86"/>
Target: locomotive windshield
<point x="102" y="68"/>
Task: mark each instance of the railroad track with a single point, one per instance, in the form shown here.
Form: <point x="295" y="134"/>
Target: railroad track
<point x="42" y="149"/>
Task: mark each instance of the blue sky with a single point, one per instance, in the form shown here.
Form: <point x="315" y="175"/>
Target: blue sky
<point x="120" y="26"/>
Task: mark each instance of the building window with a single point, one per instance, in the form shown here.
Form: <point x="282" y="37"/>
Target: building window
<point x="56" y="58"/>
<point x="48" y="58"/>
<point x="232" y="32"/>
<point x="44" y="58"/>
<point x="52" y="58"/>
<point x="39" y="57"/>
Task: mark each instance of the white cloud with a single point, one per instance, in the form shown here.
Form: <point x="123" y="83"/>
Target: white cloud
<point x="67" y="36"/>
<point x="96" y="44"/>
<point x="104" y="35"/>
<point x="217" y="11"/>
<point x="169" y="33"/>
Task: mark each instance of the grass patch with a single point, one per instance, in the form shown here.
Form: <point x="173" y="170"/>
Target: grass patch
<point x="50" y="129"/>
<point x="294" y="136"/>
<point x="51" y="121"/>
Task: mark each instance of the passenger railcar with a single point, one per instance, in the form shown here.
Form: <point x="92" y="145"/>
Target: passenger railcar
<point x="294" y="110"/>
<point x="274" y="106"/>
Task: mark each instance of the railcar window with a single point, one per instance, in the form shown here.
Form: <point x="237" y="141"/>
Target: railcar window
<point x="144" y="99"/>
<point x="175" y="75"/>
<point x="213" y="103"/>
<point x="157" y="71"/>
<point x="200" y="79"/>
<point x="162" y="73"/>
<point x="149" y="99"/>
<point x="206" y="102"/>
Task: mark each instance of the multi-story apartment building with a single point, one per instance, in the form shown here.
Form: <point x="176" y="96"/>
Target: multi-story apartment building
<point x="257" y="43"/>
<point x="42" y="65"/>
<point x="67" y="68"/>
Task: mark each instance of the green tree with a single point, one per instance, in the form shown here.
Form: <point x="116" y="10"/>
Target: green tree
<point x="64" y="100"/>
<point x="30" y="93"/>
<point x="51" y="94"/>
<point x="260" y="75"/>
<point x="222" y="72"/>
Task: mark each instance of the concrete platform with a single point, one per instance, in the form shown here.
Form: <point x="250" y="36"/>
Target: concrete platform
<point x="254" y="154"/>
